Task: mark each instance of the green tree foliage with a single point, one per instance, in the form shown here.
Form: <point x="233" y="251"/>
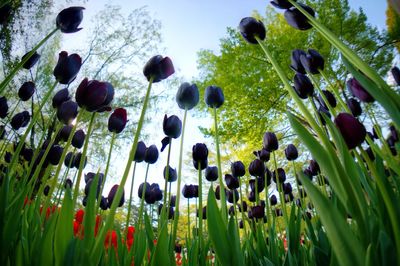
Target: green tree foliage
<point x="255" y="98"/>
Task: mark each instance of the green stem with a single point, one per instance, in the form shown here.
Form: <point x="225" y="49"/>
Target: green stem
<point x="335" y="91"/>
<point x="200" y="230"/>
<point x="164" y="213"/>
<point x="130" y="197"/>
<point x="142" y="199"/>
<point x="280" y="192"/>
<point x="241" y="202"/>
<point x="330" y="108"/>
<point x="188" y="215"/>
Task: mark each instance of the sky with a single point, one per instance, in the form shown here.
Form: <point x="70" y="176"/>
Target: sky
<point x="187" y="27"/>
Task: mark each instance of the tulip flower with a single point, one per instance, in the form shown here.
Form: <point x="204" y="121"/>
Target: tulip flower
<point x="140" y="152"/>
<point x="158" y="68"/>
<point x="211" y="173"/>
<point x="111" y="238"/>
<point x="67" y="67"/>
<point x="250" y="28"/>
<point x="312" y="62"/>
<point x="67" y="112"/>
<point x="20" y="120"/>
<point x="172" y="175"/>
<point x="187" y="96"/>
<point x="69" y="19"/>
<point x="214" y="97"/>
<point x="89" y="176"/>
<point x="94" y="95"/>
<point x="172" y="126"/>
<point x="303" y="86"/>
<point x="203" y="164"/>
<point x="3" y="107"/>
<point x="231" y="181"/>
<point x="270" y="142"/>
<point x="287" y="188"/>
<point x="117" y="120"/>
<point x="77" y="160"/>
<point x="257" y="212"/>
<point x="238" y="169"/>
<point x="27" y="153"/>
<point x="260" y="184"/>
<point x="396" y="75"/>
<point x="358" y="91"/>
<point x="257" y="168"/>
<point x="64" y="133"/>
<point x="352" y="130"/>
<point x="296" y="64"/>
<point x="89" y="185"/>
<point x="273" y="200"/>
<point x="146" y="187"/>
<point x="296" y="19"/>
<point x="103" y="203"/>
<point x="151" y="154"/>
<point x="111" y="196"/>
<point x="291" y="152"/>
<point x="5" y="12"/>
<point x="31" y="61"/>
<point x="282" y="4"/>
<point x="188" y="191"/>
<point x="314" y="167"/>
<point x="68" y="184"/>
<point x="354" y="107"/>
<point x="46" y="190"/>
<point x="69" y="159"/>
<point x="262" y="154"/>
<point x="281" y="175"/>
<point x="54" y="154"/>
<point x="204" y="212"/>
<point x="26" y="91"/>
<point x="330" y="98"/>
<point x="60" y="97"/>
<point x="232" y="196"/>
<point x="323" y="110"/>
<point x="199" y="152"/>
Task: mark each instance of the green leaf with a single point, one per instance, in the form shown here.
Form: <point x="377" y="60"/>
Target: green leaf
<point x="161" y="255"/>
<point x="234" y="240"/>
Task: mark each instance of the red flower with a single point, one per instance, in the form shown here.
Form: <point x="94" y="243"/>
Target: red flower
<point x="98" y="223"/>
<point x="111" y="238"/>
<point x="79" y="216"/>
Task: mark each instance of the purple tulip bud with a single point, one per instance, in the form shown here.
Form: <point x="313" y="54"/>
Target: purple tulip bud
<point x="68" y="184"/>
<point x="281" y="175"/>
<point x="303" y="86"/>
<point x="140" y="152"/>
<point x="242" y="208"/>
<point x="312" y="62"/>
<point x="238" y="169"/>
<point x="3" y="107"/>
<point x="77" y="160"/>
<point x="396" y="75"/>
<point x="69" y="159"/>
<point x="68" y="19"/>
<point x="232" y="196"/>
<point x="287" y="188"/>
<point x="117" y="120"/>
<point x="252" y="196"/>
<point x="145" y="186"/>
<point x="270" y="142"/>
<point x="60" y="97"/>
<point x="67" y="67"/>
<point x="259" y="182"/>
<point x="231" y="181"/>
<point x="151" y="155"/>
<point x="172" y="175"/>
<point x="257" y="168"/>
<point x="67" y="112"/>
<point x="94" y="95"/>
<point x="214" y="97"/>
<point x="296" y="64"/>
<point x="296" y="19"/>
<point x="55" y="153"/>
<point x="291" y="152"/>
<point x="172" y="126"/>
<point x="199" y="152"/>
<point x="46" y="190"/>
<point x="26" y="91"/>
<point x="354" y="107"/>
<point x="329" y="97"/>
<point x="78" y="139"/>
<point x="314" y="168"/>
<point x="358" y="91"/>
<point x="394" y="133"/>
<point x="20" y="120"/>
<point x="321" y="112"/>
<point x="257" y="212"/>
<point x="27" y="153"/>
<point x="187" y="96"/>
<point x="211" y="173"/>
<point x="33" y="59"/>
<point x="352" y="130"/>
<point x="250" y="28"/>
<point x="203" y="212"/>
<point x="262" y="154"/>
<point x="103" y="203"/>
<point x="90" y="184"/>
<point x="158" y="68"/>
<point x="111" y="196"/>
<point x="282" y="4"/>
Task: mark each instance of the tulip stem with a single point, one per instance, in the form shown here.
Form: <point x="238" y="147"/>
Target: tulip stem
<point x="335" y="91"/>
<point x="166" y="177"/>
<point x="200" y="231"/>
<point x="83" y="159"/>
<point x="178" y="187"/>
<point x="280" y="192"/>
<point x="330" y="108"/>
<point x="14" y="71"/>
<point x="130" y="197"/>
<point x="221" y="184"/>
<point x="142" y="198"/>
<point x="242" y="208"/>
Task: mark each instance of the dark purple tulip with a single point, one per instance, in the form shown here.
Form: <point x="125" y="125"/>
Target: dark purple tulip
<point x="396" y="75"/>
<point x="20" y="120"/>
<point x="77" y="160"/>
<point x="195" y="191"/>
<point x="257" y="168"/>
<point x="3" y="107"/>
<point x="270" y="142"/>
<point x="273" y="200"/>
<point x="140" y="152"/>
<point x="296" y="64"/>
<point x="291" y="152"/>
<point x="203" y="164"/>
<point x="358" y="91"/>
<point x="218" y="192"/>
<point x="92" y="175"/>
<point x="354" y="107"/>
<point x="303" y="86"/>
<point x="78" y="139"/>
<point x="26" y="91"/>
<point x="199" y="152"/>
<point x="5" y="13"/>
<point x="46" y="190"/>
<point x="259" y="181"/>
<point x="172" y="126"/>
<point x="250" y="28"/>
<point x="214" y="97"/>
<point x="242" y="208"/>
<point x="68" y="19"/>
<point x="281" y="175"/>
<point x="64" y="133"/>
<point x="60" y="97"/>
<point x="262" y="154"/>
<point x="232" y="196"/>
<point x="117" y="120"/>
<point x="27" y="153"/>
<point x="187" y="96"/>
<point x="238" y="169"/>
<point x="103" y="203"/>
<point x="287" y="188"/>
<point x="89" y="186"/>
<point x="252" y="196"/>
<point x="68" y="184"/>
<point x="289" y="197"/>
<point x="370" y="153"/>
<point x="351" y="129"/>
<point x="231" y="181"/>
<point x="172" y="201"/>
<point x="67" y="67"/>
<point x="314" y="168"/>
<point x="151" y="155"/>
<point x="188" y="191"/>
<point x="211" y="173"/>
<point x="112" y="194"/>
<point x="33" y="59"/>
<point x="67" y="112"/>
<point x="312" y="62"/>
<point x="282" y="4"/>
<point x="158" y="68"/>
<point x="55" y="153"/>
<point x="171" y="211"/>
<point x="146" y="187"/>
<point x="257" y="212"/>
<point x="178" y="248"/>
<point x="330" y="97"/>
<point x="172" y="175"/>
<point x="94" y="95"/>
<point x="296" y="19"/>
<point x="8" y="157"/>
<point x="69" y="159"/>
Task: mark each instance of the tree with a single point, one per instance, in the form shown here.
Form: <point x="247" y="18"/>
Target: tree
<point x="255" y="98"/>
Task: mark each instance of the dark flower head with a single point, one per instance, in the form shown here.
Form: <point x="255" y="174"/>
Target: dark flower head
<point x="281" y="175"/>
<point x="140" y="152"/>
<point x="199" y="152"/>
<point x="55" y="153"/>
<point x="172" y="200"/>
<point x="232" y="196"/>
<point x="291" y="152"/>
<point x="214" y="97"/>
<point x="238" y="169"/>
<point x="352" y="130"/>
<point x="5" y="13"/>
<point x="172" y="175"/>
<point x="394" y="133"/>
<point x="92" y="175"/>
<point x="20" y="120"/>
<point x="282" y="4"/>
<point x="111" y="196"/>
<point x="354" y="106"/>
<point x="90" y="184"/>
<point x="67" y="112"/>
<point x="257" y="212"/>
<point x="77" y="160"/>
<point x="68" y="184"/>
<point x="117" y="120"/>
<point x="46" y="190"/>
<point x="151" y="154"/>
<point x="329" y="97"/>
<point x="262" y="154"/>
<point x="3" y="107"/>
<point x="196" y="191"/>
<point x="188" y="191"/>
<point x="187" y="96"/>
<point x="314" y="168"/>
<point x="158" y="68"/>
<point x="287" y="188"/>
<point x="358" y="91"/>
<point x="103" y="203"/>
<point x="33" y="59"/>
<point x="259" y="182"/>
<point x="69" y="159"/>
<point x="231" y="181"/>
<point x="60" y="97"/>
<point x="26" y="91"/>
<point x="172" y="126"/>
<point x="252" y="196"/>
<point x="68" y="19"/>
<point x="94" y="95"/>
<point x="203" y="164"/>
<point x="296" y="19"/>
<point x="273" y="200"/>
<point x="27" y="153"/>
<point x="78" y="139"/>
<point x="303" y="86"/>
<point x="64" y="133"/>
<point x="250" y="28"/>
<point x="270" y="142"/>
<point x="257" y="168"/>
<point x="312" y="62"/>
<point x="396" y="75"/>
<point x="296" y="64"/>
<point x="67" y="67"/>
<point x="242" y="208"/>
<point x="145" y="186"/>
<point x="211" y="173"/>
